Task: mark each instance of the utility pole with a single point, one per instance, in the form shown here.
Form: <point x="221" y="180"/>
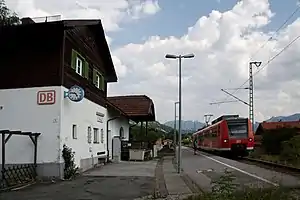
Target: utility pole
<point x="251" y="91"/>
<point x="251" y="94"/>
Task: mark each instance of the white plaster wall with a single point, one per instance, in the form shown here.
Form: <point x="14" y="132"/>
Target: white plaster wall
<point x="114" y="127"/>
<point x="21" y="112"/>
<point x="83" y="114"/>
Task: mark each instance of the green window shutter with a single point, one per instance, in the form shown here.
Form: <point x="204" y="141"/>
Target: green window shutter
<point x="74" y="57"/>
<point x="86" y="70"/>
<point x="102" y="83"/>
<point x="95" y="76"/>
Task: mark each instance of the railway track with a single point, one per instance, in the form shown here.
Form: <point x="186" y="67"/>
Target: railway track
<point x="263" y="163"/>
<point x="273" y="166"/>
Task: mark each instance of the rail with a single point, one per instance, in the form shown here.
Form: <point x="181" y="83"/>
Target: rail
<point x="273" y="164"/>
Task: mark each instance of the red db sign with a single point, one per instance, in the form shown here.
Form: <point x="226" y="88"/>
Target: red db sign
<point x="46" y="97"/>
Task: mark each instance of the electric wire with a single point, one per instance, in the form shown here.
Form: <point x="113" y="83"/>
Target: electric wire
<point x="262" y="46"/>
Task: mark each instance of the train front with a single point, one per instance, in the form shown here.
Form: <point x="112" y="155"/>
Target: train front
<point x="240" y="136"/>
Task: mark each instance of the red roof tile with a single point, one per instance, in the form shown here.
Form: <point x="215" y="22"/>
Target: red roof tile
<point x="275" y="125"/>
<point x="135" y="106"/>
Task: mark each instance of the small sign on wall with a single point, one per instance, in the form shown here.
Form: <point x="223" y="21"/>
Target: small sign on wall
<point x="46" y="97"/>
<point x="99" y="117"/>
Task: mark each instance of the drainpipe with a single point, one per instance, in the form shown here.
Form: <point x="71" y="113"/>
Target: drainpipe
<point x="107" y="148"/>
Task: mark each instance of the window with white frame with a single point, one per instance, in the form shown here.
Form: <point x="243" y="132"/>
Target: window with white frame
<point x="97" y="81"/>
<point x="96" y="135"/>
<point x="89" y="134"/>
<point x="102" y="135"/>
<point x="79" y="65"/>
<point x="74" y="131"/>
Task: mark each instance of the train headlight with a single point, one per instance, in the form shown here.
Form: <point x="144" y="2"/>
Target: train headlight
<point x="250" y="139"/>
<point x="225" y="141"/>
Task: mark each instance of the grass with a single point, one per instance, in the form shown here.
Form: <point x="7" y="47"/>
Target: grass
<point x="225" y="189"/>
<point x="252" y="194"/>
<point x="259" y="154"/>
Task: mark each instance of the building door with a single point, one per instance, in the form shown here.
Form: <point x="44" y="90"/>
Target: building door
<point x="116" y="149"/>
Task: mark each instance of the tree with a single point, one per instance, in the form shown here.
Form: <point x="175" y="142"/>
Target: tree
<point x="272" y="139"/>
<point x="290" y="150"/>
<point x="7" y="17"/>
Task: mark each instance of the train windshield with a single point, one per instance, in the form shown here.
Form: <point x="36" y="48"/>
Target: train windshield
<point x="237" y="128"/>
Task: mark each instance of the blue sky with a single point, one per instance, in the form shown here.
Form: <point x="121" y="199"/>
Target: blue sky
<point x="176" y="16"/>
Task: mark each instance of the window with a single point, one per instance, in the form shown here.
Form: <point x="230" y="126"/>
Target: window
<point x="96" y="135"/>
<point x="74" y="131"/>
<point x="98" y="79"/>
<point x="102" y="136"/>
<point x="89" y="134"/>
<point x="79" y="66"/>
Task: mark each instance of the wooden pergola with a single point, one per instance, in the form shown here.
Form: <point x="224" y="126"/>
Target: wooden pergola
<point x="7" y="134"/>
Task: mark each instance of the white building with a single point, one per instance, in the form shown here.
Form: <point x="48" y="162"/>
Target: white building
<point x="37" y="94"/>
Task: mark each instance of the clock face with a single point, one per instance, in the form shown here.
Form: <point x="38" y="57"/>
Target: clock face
<point x="76" y="93"/>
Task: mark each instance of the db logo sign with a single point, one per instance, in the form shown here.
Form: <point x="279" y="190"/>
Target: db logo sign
<point x="46" y="97"/>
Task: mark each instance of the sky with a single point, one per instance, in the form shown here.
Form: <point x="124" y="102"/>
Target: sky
<point x="224" y="35"/>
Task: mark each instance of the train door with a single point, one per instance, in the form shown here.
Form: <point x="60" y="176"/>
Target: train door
<point x="214" y="138"/>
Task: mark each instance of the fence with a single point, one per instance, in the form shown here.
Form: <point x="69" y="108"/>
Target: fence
<point x="13" y="175"/>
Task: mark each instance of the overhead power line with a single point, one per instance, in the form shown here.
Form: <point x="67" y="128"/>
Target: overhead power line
<point x="273" y="58"/>
<point x="269" y="39"/>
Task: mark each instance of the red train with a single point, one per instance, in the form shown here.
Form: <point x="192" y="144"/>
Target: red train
<point x="229" y="134"/>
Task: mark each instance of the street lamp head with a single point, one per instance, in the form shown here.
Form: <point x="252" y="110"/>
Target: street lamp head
<point x="189" y="56"/>
<point x="171" y="56"/>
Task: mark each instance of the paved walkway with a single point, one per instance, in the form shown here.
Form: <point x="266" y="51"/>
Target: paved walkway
<point x="117" y="181"/>
<point x="174" y="182"/>
<point x="124" y="180"/>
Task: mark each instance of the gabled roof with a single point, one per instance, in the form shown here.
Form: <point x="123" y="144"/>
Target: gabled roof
<point x="275" y="125"/>
<point x="136" y="107"/>
<point x="96" y="26"/>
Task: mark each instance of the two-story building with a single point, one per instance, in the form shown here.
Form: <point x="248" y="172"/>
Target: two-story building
<point x="53" y="80"/>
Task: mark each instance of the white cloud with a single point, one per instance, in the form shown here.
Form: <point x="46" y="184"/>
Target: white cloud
<point x="223" y="44"/>
<point x="111" y="12"/>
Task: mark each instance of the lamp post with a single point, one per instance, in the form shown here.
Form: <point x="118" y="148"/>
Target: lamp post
<point x="175" y="123"/>
<point x="179" y="57"/>
<point x="174" y="137"/>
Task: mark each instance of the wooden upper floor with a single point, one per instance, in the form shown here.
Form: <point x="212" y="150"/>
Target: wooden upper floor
<point x="60" y="53"/>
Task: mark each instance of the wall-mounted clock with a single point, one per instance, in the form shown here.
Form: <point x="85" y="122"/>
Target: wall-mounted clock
<point x="76" y="93"/>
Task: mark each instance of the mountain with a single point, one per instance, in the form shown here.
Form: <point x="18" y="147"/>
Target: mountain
<point x="294" y="117"/>
<point x="186" y="126"/>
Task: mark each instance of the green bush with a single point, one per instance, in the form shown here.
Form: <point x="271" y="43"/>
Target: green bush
<point x="272" y="139"/>
<point x="70" y="169"/>
<point x="186" y="141"/>
<point x="290" y="151"/>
